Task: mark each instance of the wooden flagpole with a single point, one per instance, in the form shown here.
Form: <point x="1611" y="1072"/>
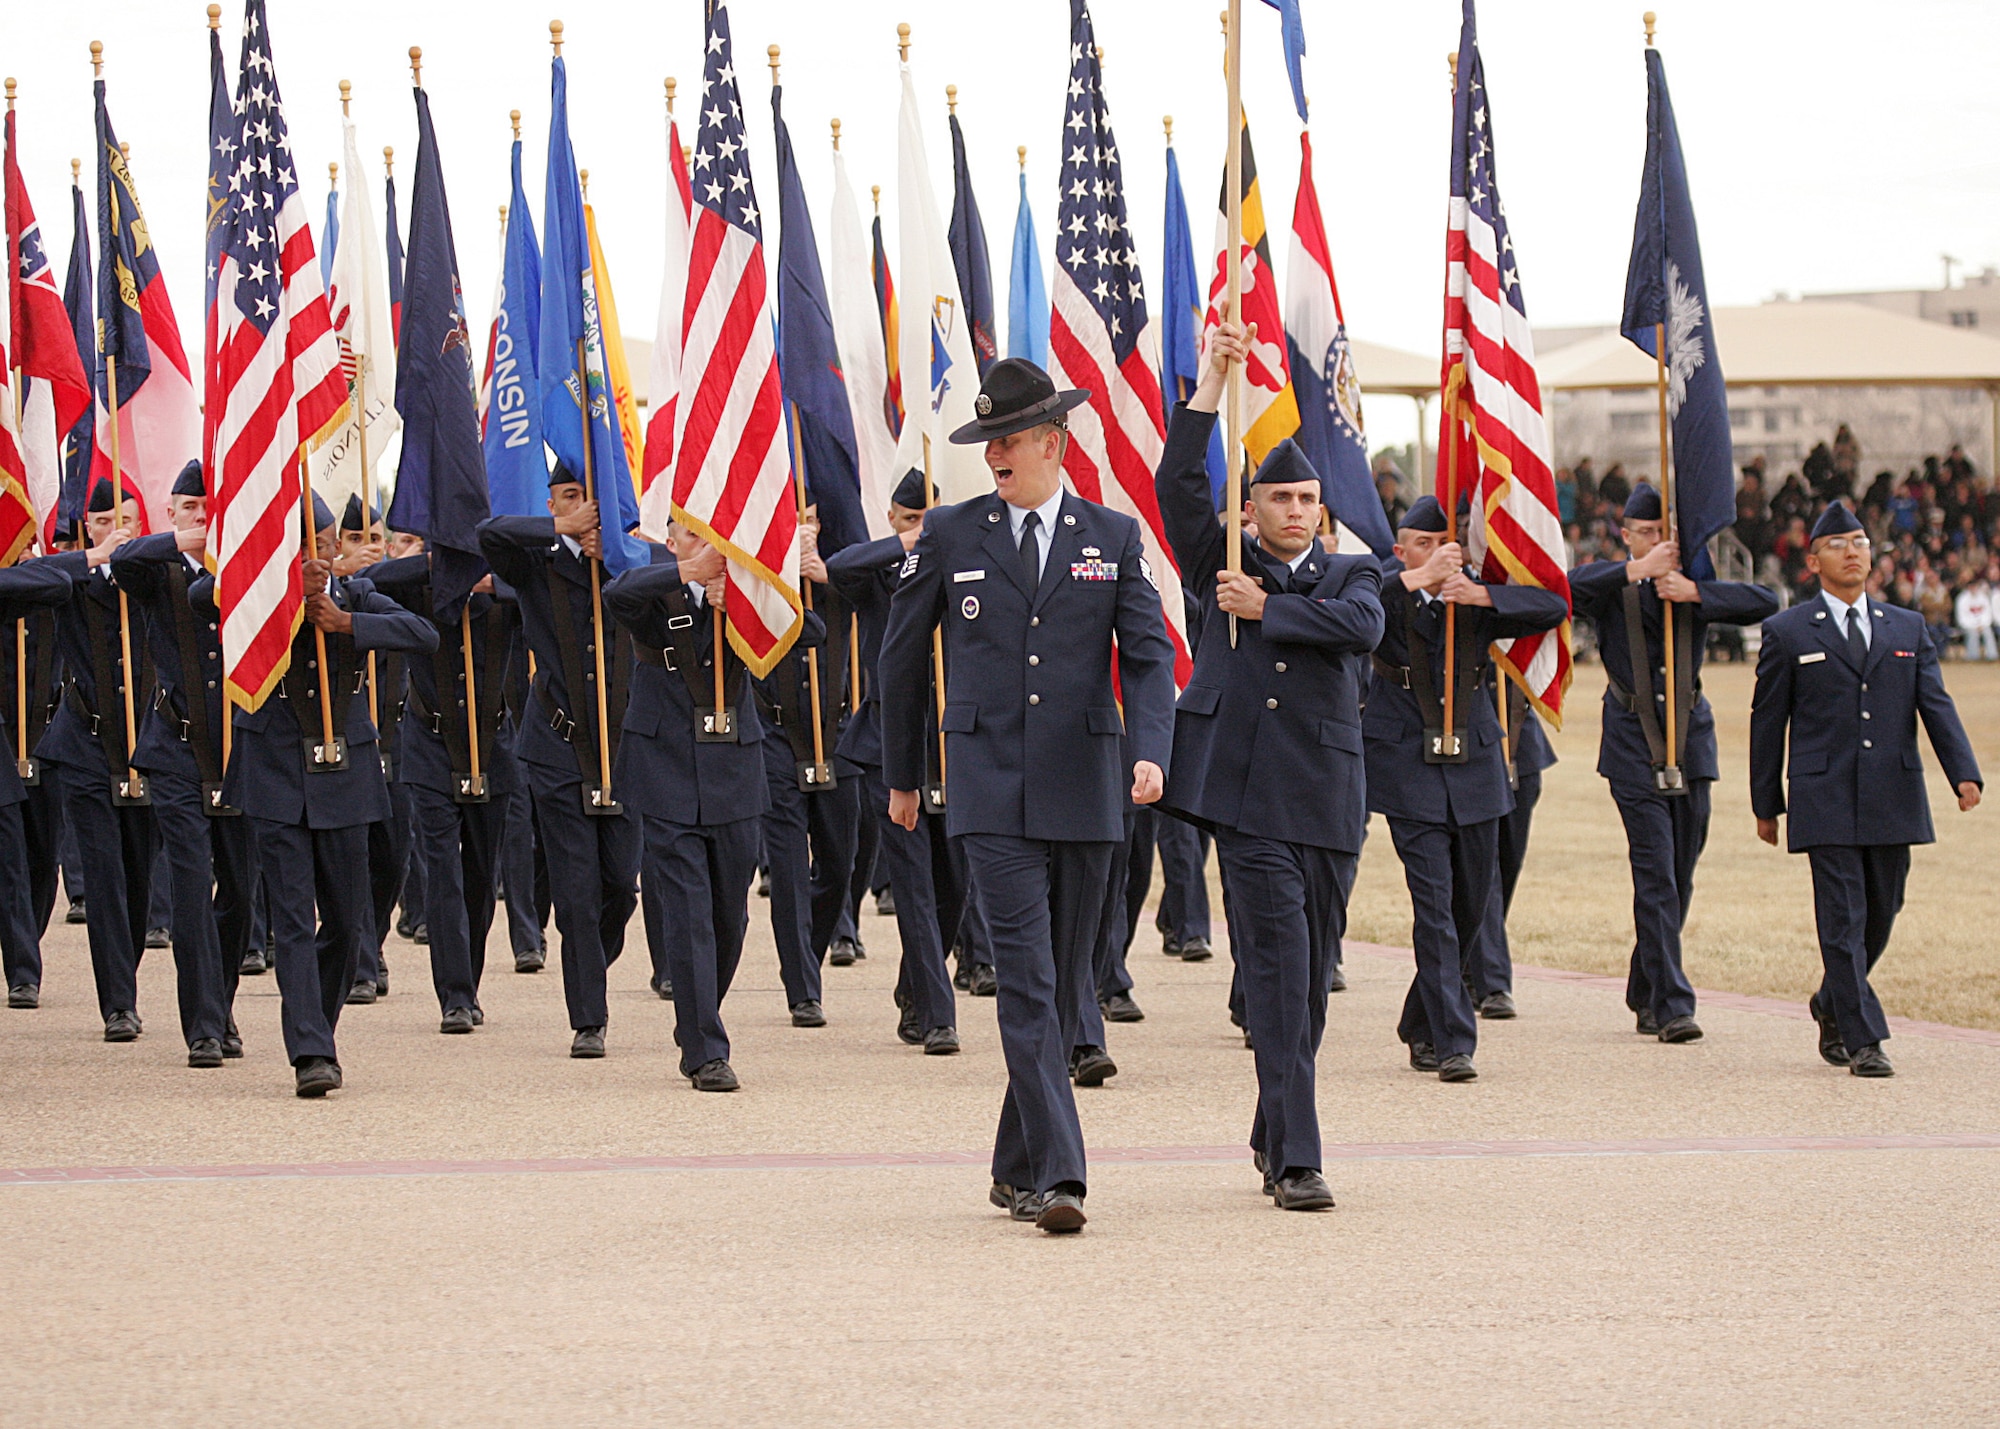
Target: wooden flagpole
<point x="358" y="395"/>
<point x="1669" y="776"/>
<point x="1448" y="744"/>
<point x="1232" y="309"/>
<point x="936" y="797"/>
<point x="820" y="773"/>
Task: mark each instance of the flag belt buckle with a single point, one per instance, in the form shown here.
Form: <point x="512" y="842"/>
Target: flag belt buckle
<point x="934" y="798"/>
<point x="29" y="770"/>
<point x="716" y="727"/>
<point x="325" y="757"/>
<point x="816" y="778"/>
<point x="1669" y="779"/>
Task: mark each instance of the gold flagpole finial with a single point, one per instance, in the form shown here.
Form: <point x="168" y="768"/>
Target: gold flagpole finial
<point x="215" y="17"/>
<point x="951" y="98"/>
<point x="1452" y="60"/>
<point x="672" y="85"/>
<point x="125" y="149"/>
<point x="876" y="189"/>
<point x="503" y="218"/>
<point x="417" y="65"/>
<point x="1169" y="121"/>
<point x="903" y="42"/>
<point x="76" y="173"/>
<point x="10" y="91"/>
<point x="1651" y="20"/>
<point x="97" y="58"/>
<point x="836" y="136"/>
<point x="333" y="177"/>
<point x="1021" y="155"/>
<point x="1100" y="56"/>
<point x="772" y="51"/>
<point x="346" y="96"/>
<point x="687" y="153"/>
<point x="555" y="36"/>
<point x="1225" y="24"/>
<point x="583" y="178"/>
<point x="514" y="118"/>
<point x="388" y="161"/>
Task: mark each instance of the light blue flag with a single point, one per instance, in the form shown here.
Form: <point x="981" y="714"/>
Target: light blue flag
<point x="1027" y="295"/>
<point x="517" y="467"/>
<point x="329" y="238"/>
<point x="570" y="351"/>
<point x="1180" y="319"/>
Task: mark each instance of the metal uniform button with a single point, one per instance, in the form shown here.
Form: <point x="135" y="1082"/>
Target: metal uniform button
<point x="1867" y="744"/>
<point x="1034" y="699"/>
<point x="1864" y="687"/>
<point x="1034" y="620"/>
<point x="1866" y="715"/>
<point x="1034" y="659"/>
<point x="1270" y="704"/>
<point x="1281" y="667"/>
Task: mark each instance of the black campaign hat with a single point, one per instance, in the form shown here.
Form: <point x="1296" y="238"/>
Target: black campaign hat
<point x="1424" y="515"/>
<point x="1015" y="396"/>
<point x="189" y="482"/>
<point x="1286" y="463"/>
<point x="1643" y="504"/>
<point x="1836" y="520"/>
<point x="910" y="491"/>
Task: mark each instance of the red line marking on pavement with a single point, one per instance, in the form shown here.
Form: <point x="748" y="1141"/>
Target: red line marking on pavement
<point x="881" y="1160"/>
<point x="1734" y="1001"/>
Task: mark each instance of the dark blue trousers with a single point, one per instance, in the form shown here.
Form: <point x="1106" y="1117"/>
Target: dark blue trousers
<point x="973" y="940"/>
<point x="1664" y="838"/>
<point x="1489" y="959"/>
<point x="854" y="786"/>
<point x="20" y="935"/>
<point x="42" y="825"/>
<point x="927" y="875"/>
<point x="527" y="907"/>
<point x="208" y="861"/>
<point x="809" y="840"/>
<point x="459" y="844"/>
<point x="320" y="924"/>
<point x="1042" y="902"/>
<point x="1183" y="850"/>
<point x="116" y="847"/>
<point x="1857" y="893"/>
<point x="1288" y="911"/>
<point x="593" y="873"/>
<point x="160" y="893"/>
<point x="703" y="875"/>
<point x="1450" y="870"/>
<point x="388" y="869"/>
<point x="1114" y="930"/>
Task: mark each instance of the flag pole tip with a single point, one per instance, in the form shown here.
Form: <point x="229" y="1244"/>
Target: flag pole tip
<point x="97" y="57"/>
<point x="417" y="65"/>
<point x="672" y="85"/>
<point x="1168" y="120"/>
<point x="1021" y="155"/>
<point x="389" y="159"/>
<point x="346" y="95"/>
<point x="215" y="17"/>
<point x="583" y="178"/>
<point x="76" y="171"/>
<point x="10" y="91"/>
<point x="836" y="134"/>
<point x="772" y="51"/>
<point x="876" y="190"/>
<point x="951" y="98"/>
<point x="903" y="41"/>
<point x="333" y="176"/>
<point x="556" y="36"/>
<point x="1651" y="20"/>
<point x="514" y="118"/>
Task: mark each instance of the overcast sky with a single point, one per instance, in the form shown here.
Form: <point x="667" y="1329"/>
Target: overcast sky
<point x="1830" y="146"/>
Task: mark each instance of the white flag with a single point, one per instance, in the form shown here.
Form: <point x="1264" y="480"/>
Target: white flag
<point x="940" y="380"/>
<point x="857" y="333"/>
<point x="359" y="300"/>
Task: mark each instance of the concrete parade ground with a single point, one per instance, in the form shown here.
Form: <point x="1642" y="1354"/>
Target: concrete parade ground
<point x="479" y="1230"/>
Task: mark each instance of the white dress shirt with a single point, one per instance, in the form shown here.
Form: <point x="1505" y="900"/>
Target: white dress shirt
<point x="1840" y="608"/>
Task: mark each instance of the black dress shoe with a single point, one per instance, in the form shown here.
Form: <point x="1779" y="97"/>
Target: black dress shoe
<point x="841" y="953"/>
<point x="531" y="961"/>
<point x="1457" y="1068"/>
<point x="232" y="1044"/>
<point x="253" y="964"/>
<point x="1119" y="1007"/>
<point x="1302" y="1190"/>
<point x="962" y="979"/>
<point x="317" y="1076"/>
<point x="1870" y="1061"/>
<point x="361" y="994"/>
<point x="1680" y="1029"/>
<point x="121" y="1027"/>
<point x="663" y="988"/>
<point x="75" y="913"/>
<point x="1170" y="943"/>
<point x="1196" y="950"/>
<point x="205" y="1052"/>
<point x="1090" y="1066"/>
<point x="159" y="938"/>
<point x="1060" y="1213"/>
<point x="941" y="1042"/>
<point x="1648" y="1025"/>
<point x="1423" y="1057"/>
<point x="381" y="975"/>
<point x="984" y="982"/>
<point x="763" y="883"/>
<point x="24" y="994"/>
<point x="1018" y="1202"/>
<point x="456" y="1021"/>
<point x="714" y="1076"/>
<point x="1830" y="1046"/>
<point x="909" y="1022"/>
<point x="1336" y="980"/>
<point x="808" y="1014"/>
<point x="421" y="935"/>
<point x="1497" y="1007"/>
<point x="478" y="1015"/>
<point x="1001" y="1196"/>
<point x="885" y="904"/>
<point x="588" y="1043"/>
<point x="860" y="951"/>
<point x="406" y="924"/>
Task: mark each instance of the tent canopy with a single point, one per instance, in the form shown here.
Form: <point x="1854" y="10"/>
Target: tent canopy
<point x="1812" y="344"/>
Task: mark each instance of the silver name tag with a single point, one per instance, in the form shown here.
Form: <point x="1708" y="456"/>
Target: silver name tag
<point x="1812" y="659"/>
<point x="968" y="575"/>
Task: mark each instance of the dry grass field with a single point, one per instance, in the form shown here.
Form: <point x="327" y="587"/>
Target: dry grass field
<point x="1751" y="929"/>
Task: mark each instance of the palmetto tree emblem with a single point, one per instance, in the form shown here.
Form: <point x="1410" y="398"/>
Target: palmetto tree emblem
<point x="1687" y="350"/>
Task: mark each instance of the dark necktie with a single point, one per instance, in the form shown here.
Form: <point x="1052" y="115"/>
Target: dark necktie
<point x="1031" y="564"/>
<point x="1856" y="646"/>
<point x="1429" y="620"/>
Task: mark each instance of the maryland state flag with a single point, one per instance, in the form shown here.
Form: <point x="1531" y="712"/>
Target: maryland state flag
<point x="1270" y="406"/>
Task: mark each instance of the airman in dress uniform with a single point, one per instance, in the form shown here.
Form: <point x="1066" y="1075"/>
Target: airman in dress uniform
<point x="30" y="593"/>
<point x="1849" y="677"/>
<point x="1443" y="791"/>
<point x="310" y="801"/>
<point x="1662" y="794"/>
<point x="1032" y="586"/>
<point x="1268" y="754"/>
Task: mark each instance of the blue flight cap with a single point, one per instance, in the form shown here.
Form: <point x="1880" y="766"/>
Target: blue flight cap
<point x="1836" y="520"/>
<point x="1643" y="504"/>
<point x="1286" y="463"/>
<point x="322" y="513"/>
<point x="189" y="482"/>
<point x="1424" y="515"/>
<point x="910" y="491"/>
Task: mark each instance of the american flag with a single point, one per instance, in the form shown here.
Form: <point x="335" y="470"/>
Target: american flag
<point x="732" y="478"/>
<point x="1492" y="398"/>
<point x="279" y="378"/>
<point x="1100" y="337"/>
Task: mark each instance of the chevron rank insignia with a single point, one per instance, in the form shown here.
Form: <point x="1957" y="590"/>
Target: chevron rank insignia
<point x="909" y="566"/>
<point x="1146" y="570"/>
